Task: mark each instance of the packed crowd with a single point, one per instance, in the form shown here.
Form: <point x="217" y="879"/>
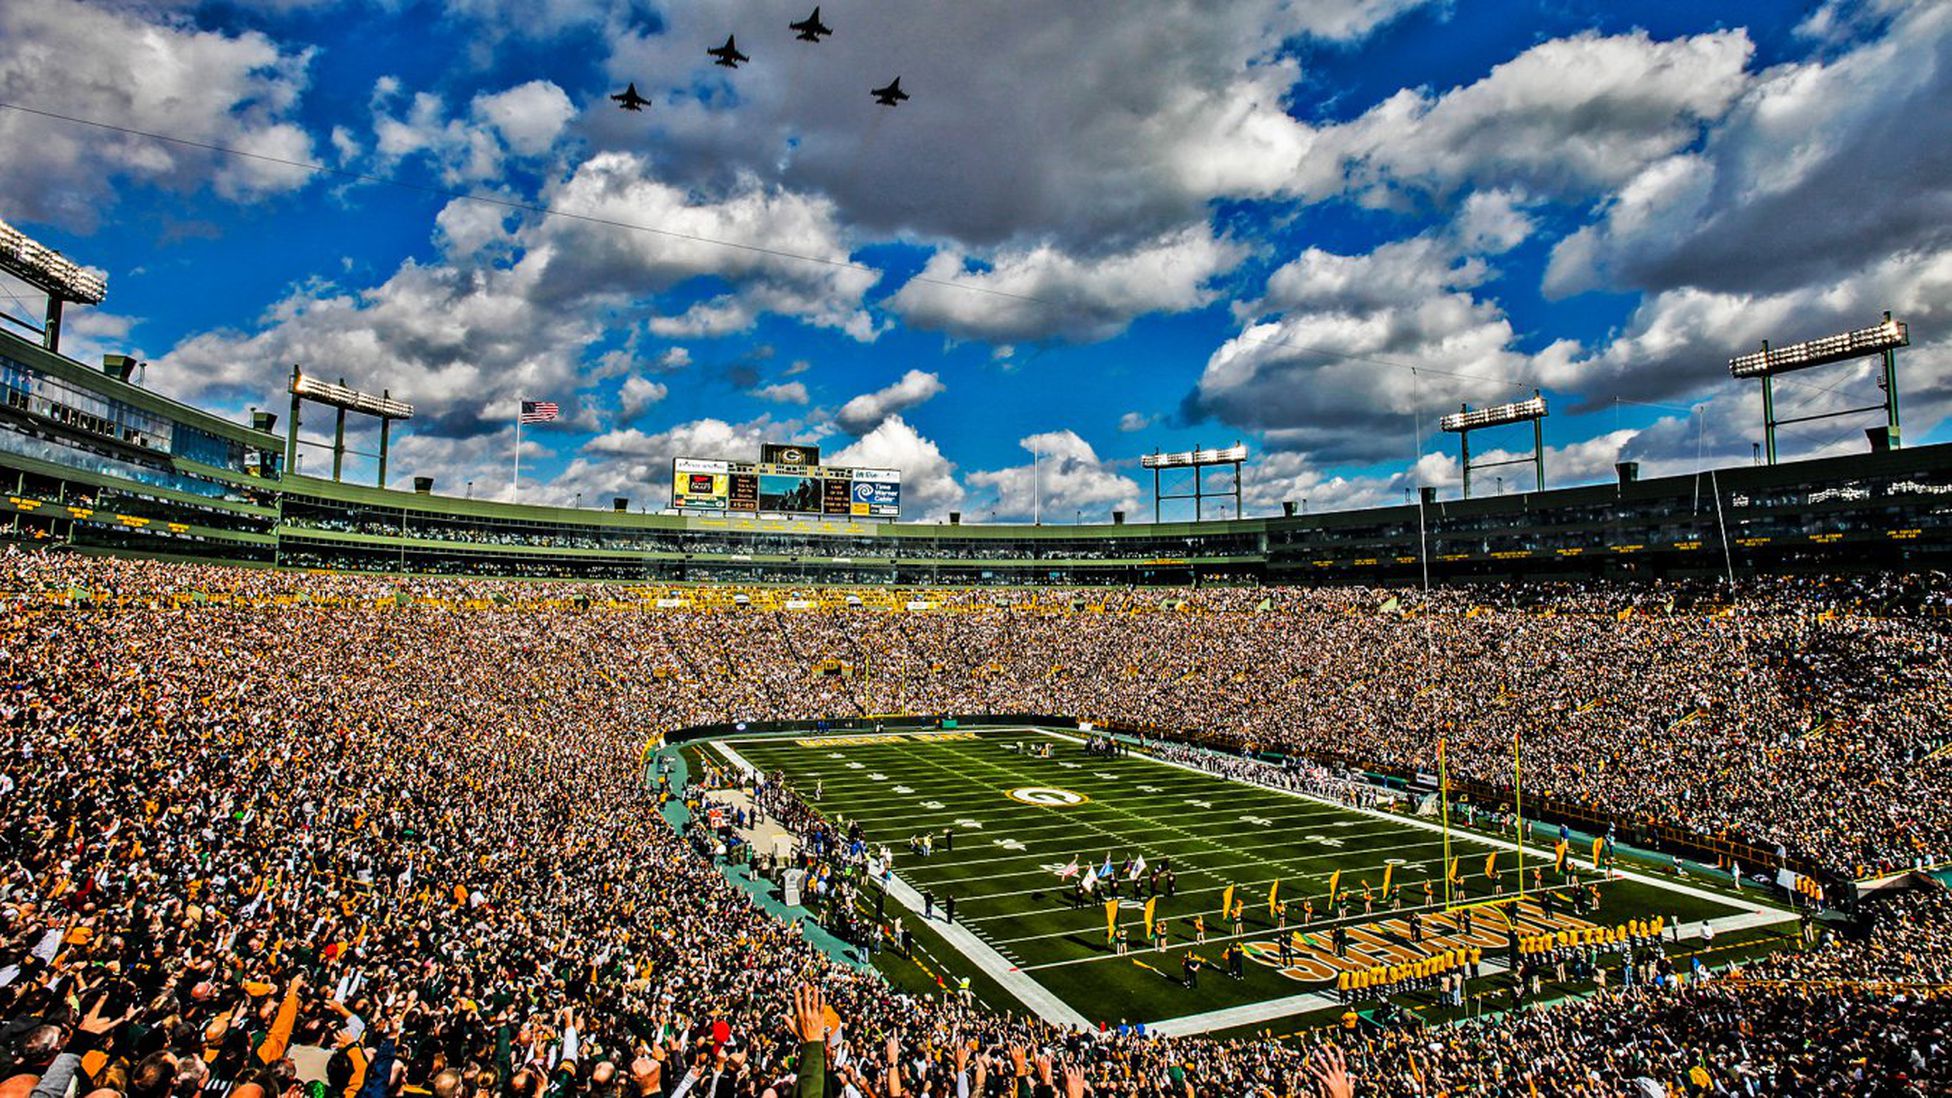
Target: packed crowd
<point x="1796" y="718"/>
<point x="272" y="834"/>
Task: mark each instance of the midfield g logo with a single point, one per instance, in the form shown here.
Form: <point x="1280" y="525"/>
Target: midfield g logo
<point x="1044" y="796"/>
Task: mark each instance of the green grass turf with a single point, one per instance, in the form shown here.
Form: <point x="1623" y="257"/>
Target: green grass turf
<point x="1001" y="869"/>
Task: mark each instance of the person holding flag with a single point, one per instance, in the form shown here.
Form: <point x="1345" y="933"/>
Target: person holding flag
<point x="1491" y="873"/>
<point x="1111" y="924"/>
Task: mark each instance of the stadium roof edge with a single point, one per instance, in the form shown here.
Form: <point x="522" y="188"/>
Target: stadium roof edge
<point x="93" y="378"/>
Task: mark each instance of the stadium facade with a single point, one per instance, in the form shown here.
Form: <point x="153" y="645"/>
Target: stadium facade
<point x="93" y="457"/>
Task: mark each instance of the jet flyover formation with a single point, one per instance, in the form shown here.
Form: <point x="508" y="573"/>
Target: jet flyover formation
<point x="810" y="29"/>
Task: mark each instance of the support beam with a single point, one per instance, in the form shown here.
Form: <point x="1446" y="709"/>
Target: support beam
<point x="386" y="429"/>
<point x="339" y="444"/>
<point x="1891" y="395"/>
<point x="1538" y="455"/>
<point x="1769" y="418"/>
<point x="291" y="427"/>
<point x="51" y="326"/>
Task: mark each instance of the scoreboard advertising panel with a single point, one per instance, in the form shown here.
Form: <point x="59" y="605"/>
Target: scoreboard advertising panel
<point x="744" y="487"/>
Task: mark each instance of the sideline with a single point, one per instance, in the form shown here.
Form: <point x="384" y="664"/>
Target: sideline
<point x="760" y="891"/>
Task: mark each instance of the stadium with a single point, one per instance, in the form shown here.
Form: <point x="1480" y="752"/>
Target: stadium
<point x="769" y="772"/>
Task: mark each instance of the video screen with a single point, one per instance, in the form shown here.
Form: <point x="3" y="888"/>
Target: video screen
<point x="799" y="495"/>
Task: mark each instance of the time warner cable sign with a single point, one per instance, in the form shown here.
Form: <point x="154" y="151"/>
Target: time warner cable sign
<point x="752" y="488"/>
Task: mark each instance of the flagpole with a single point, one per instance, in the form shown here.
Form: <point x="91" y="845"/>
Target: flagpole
<point x="1443" y="807"/>
<point x="1518" y="809"/>
<point x="516" y="487"/>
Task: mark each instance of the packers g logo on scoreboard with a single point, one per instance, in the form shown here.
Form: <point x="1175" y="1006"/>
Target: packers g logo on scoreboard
<point x="1044" y="796"/>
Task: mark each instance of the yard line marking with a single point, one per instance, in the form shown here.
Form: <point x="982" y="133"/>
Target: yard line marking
<point x="1063" y="825"/>
<point x="1297" y="877"/>
<point x="1500" y="843"/>
<point x="1279" y="864"/>
<point x="937" y="863"/>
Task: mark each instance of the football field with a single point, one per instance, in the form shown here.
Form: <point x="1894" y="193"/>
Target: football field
<point x="1017" y="819"/>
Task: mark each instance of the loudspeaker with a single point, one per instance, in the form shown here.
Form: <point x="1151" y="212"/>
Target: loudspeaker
<point x="423" y="485"/>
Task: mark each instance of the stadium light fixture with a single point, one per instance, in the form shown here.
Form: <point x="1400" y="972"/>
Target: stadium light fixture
<point x="352" y="400"/>
<point x="1518" y="411"/>
<point x="1184" y="459"/>
<point x="1882" y="339"/>
<point x="1198" y="460"/>
<point x="60" y="278"/>
<point x="1467" y="419"/>
<point x="344" y="399"/>
<point x="1841" y="347"/>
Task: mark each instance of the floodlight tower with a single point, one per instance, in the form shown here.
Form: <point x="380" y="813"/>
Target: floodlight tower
<point x="305" y="388"/>
<point x="1465" y="420"/>
<point x="60" y="278"/>
<point x="1879" y="339"/>
<point x="1199" y="461"/>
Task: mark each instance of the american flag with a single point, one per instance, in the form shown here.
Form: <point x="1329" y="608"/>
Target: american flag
<point x="540" y="411"/>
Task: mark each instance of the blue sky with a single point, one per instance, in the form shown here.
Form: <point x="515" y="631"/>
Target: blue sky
<point x="1313" y="226"/>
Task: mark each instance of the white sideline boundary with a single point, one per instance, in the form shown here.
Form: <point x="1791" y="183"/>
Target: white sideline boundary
<point x="978" y="952"/>
<point x="1052" y="1009"/>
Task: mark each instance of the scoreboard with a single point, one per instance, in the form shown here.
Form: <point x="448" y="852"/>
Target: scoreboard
<point x="709" y="485"/>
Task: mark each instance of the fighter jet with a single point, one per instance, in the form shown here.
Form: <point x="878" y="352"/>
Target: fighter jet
<point x="629" y="100"/>
<point x="811" y="28"/>
<point x="728" y="54"/>
<point x="890" y="95"/>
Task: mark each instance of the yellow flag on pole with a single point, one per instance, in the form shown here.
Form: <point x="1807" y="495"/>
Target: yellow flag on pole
<point x="1227" y="901"/>
<point x="1456" y="873"/>
<point x="1559" y="861"/>
<point x="1148" y="915"/>
<point x="1598" y="845"/>
<point x="1491" y="864"/>
<point x="1387" y="871"/>
<point x="1273" y="891"/>
<point x="1111" y="921"/>
<point x="1334" y="880"/>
